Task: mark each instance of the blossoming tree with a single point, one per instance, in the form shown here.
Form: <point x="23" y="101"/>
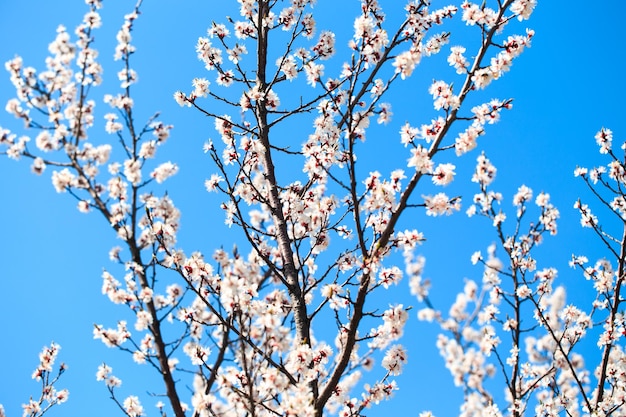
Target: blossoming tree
<point x="290" y="322"/>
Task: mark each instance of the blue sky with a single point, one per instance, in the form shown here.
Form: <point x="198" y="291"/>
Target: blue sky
<point x="567" y="86"/>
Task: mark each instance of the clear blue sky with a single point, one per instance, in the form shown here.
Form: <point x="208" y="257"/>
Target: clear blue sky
<point x="567" y="86"/>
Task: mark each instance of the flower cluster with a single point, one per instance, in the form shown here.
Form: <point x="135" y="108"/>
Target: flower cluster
<point x="542" y="364"/>
<point x="50" y="396"/>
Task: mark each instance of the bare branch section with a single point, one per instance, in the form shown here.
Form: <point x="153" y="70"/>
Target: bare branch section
<point x="288" y="323"/>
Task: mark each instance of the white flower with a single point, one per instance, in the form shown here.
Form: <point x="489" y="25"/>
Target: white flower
<point x="395" y="358"/>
